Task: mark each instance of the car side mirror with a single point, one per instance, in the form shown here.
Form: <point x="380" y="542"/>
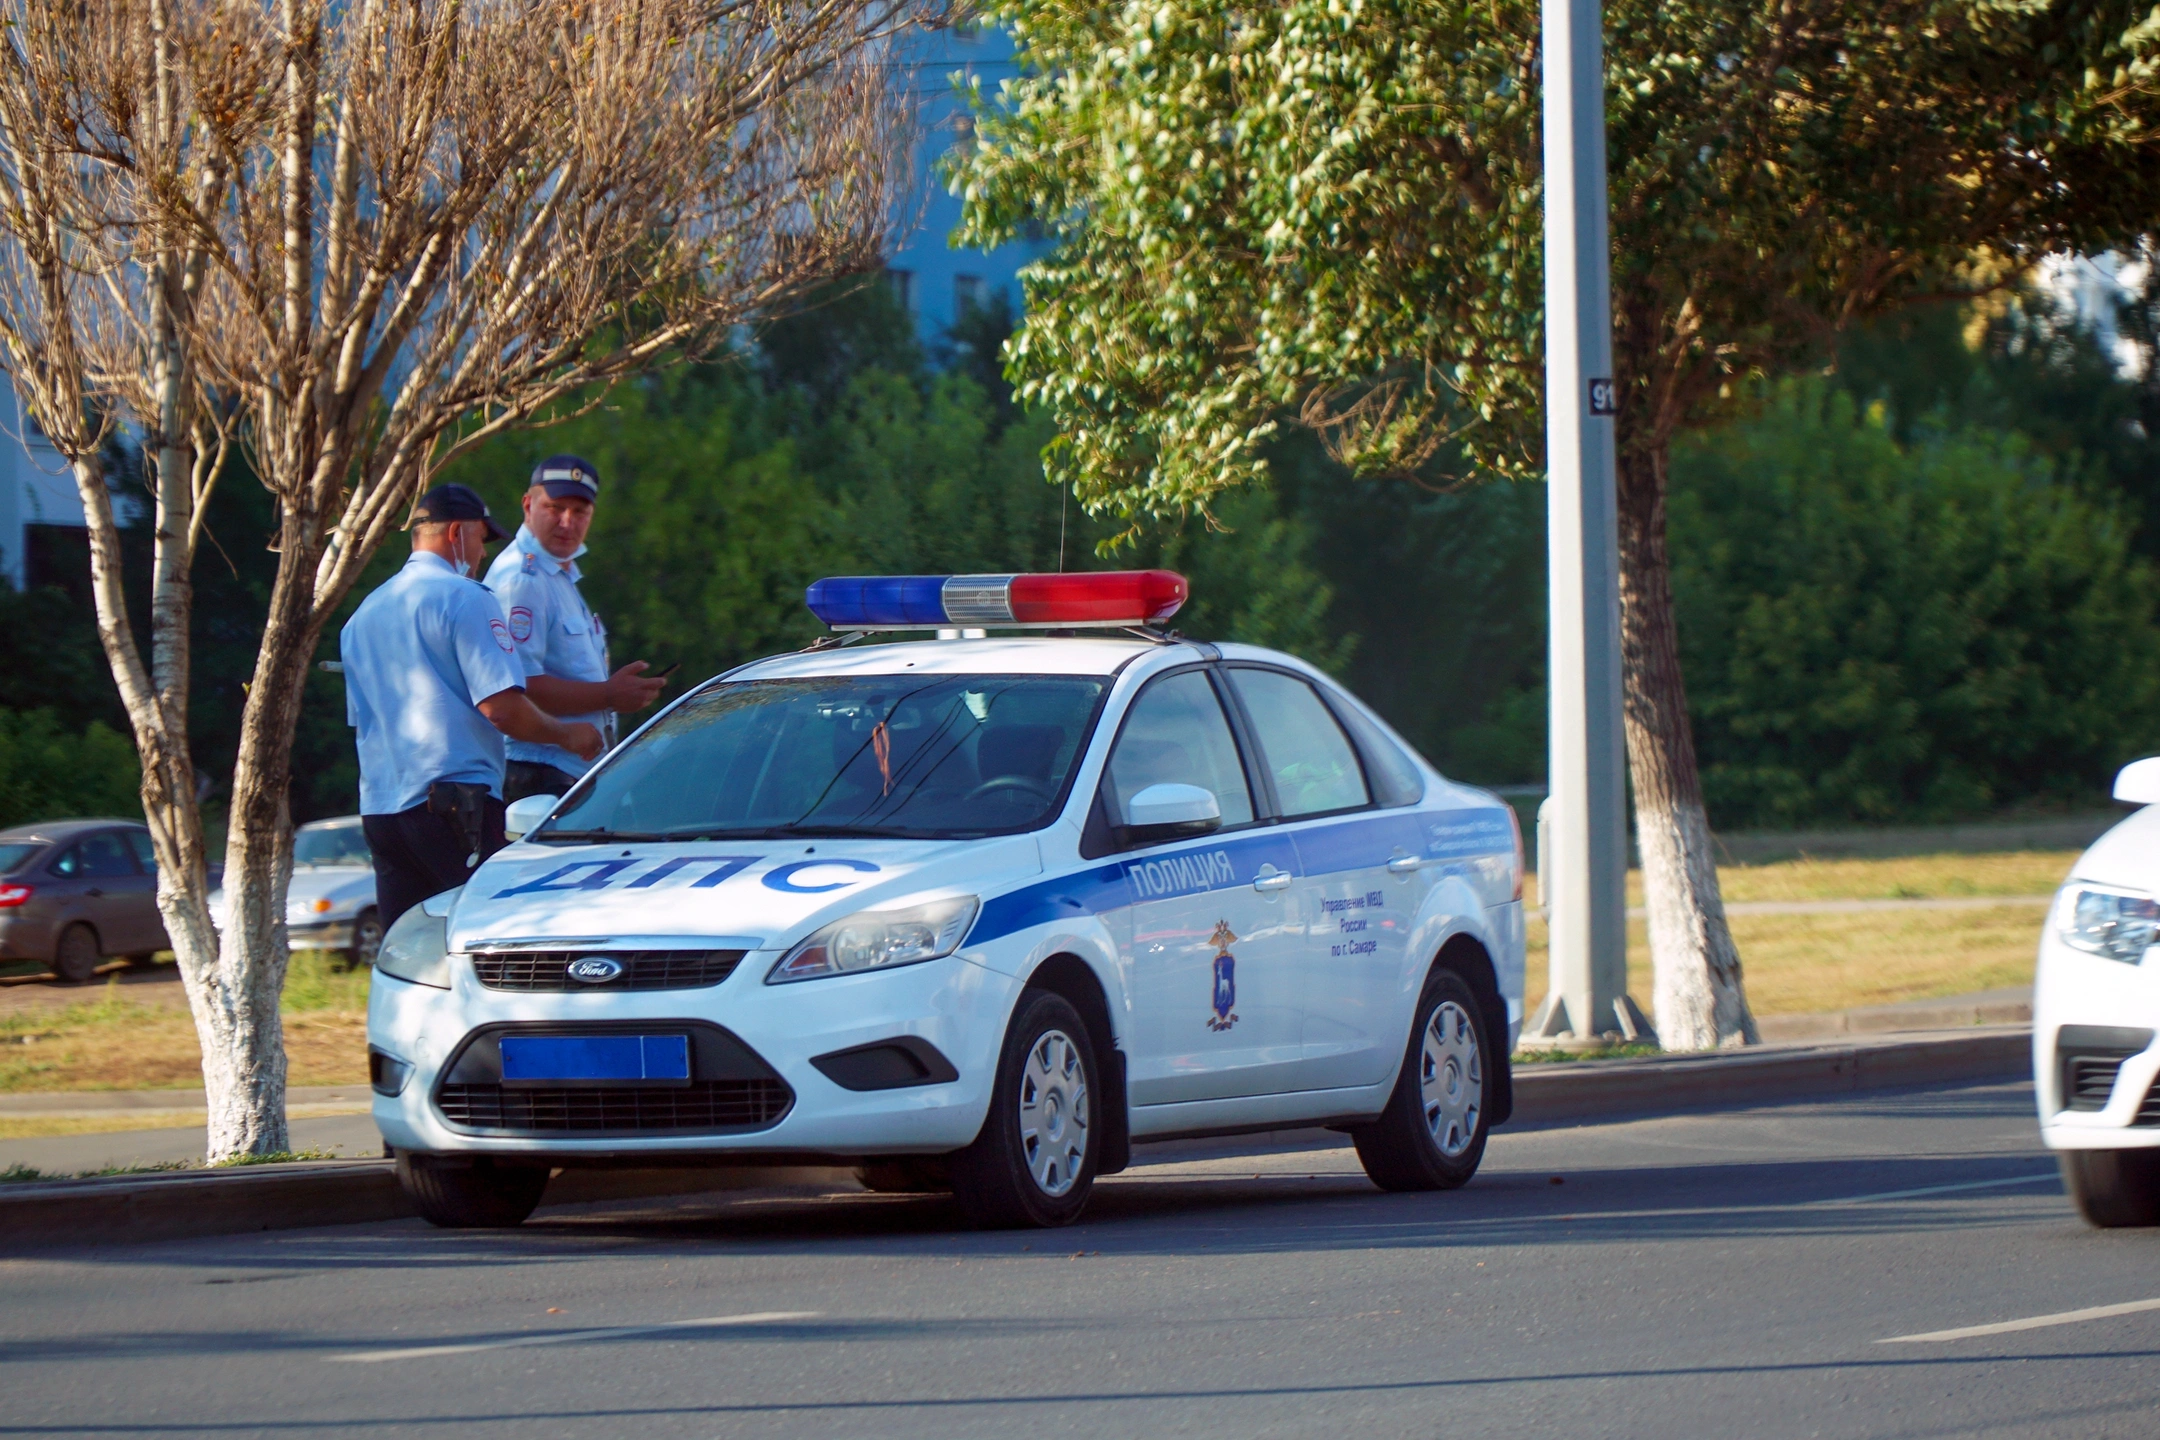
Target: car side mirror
<point x="1169" y="811"/>
<point x="2139" y="781"/>
<point x="524" y="816"/>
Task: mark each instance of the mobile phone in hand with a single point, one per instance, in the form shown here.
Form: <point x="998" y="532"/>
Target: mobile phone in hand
<point x="663" y="674"/>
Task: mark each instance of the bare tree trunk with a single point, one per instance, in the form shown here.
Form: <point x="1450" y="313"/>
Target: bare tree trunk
<point x="247" y="1103"/>
<point x="1697" y="992"/>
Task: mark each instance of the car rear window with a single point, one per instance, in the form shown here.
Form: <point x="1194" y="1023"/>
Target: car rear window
<point x="14" y="852"/>
<point x="914" y="757"/>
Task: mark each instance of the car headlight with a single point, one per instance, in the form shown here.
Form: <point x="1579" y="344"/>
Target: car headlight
<point x="417" y="948"/>
<point x="2108" y="923"/>
<point x="879" y="940"/>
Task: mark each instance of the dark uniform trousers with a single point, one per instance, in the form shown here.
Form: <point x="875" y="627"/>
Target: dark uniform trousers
<point x="526" y="777"/>
<point x="418" y="854"/>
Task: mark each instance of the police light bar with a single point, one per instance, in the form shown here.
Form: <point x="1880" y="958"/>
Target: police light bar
<point x="937" y="602"/>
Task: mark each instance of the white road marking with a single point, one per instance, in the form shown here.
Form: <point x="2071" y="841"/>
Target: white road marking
<point x="2036" y="1322"/>
<point x="1943" y="1189"/>
<point x="571" y="1337"/>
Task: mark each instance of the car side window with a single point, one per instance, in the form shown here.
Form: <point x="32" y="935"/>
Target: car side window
<point x="1176" y="733"/>
<point x="1395" y="779"/>
<point x="106" y="856"/>
<point x="70" y="862"/>
<point x="145" y="852"/>
<point x="1305" y="751"/>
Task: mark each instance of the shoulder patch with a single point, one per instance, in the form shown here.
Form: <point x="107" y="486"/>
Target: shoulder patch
<point x="502" y="636"/>
<point x="521" y="623"/>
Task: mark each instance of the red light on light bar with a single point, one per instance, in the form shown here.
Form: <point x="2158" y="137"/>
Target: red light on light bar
<point x="931" y="602"/>
<point x="1106" y="597"/>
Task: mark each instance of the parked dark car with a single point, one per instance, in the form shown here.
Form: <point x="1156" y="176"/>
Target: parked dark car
<point x="75" y="891"/>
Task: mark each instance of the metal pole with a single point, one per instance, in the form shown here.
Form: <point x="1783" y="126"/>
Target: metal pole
<point x="1586" y="822"/>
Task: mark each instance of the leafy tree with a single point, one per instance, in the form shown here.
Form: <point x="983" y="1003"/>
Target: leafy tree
<point x="48" y="771"/>
<point x="1881" y="631"/>
<point x="1328" y="212"/>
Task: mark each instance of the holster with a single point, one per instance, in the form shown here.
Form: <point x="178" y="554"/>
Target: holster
<point x="465" y="807"/>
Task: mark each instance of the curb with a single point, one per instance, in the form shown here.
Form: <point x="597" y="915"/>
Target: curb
<point x="125" y="1209"/>
<point x="2009" y="1006"/>
<point x="1585" y="1089"/>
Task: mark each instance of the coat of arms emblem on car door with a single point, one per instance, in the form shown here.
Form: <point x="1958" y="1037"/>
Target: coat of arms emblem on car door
<point x="1225" y="977"/>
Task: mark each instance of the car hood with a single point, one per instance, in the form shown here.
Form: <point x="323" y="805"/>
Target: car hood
<point x="347" y="887"/>
<point x="755" y="894"/>
<point x="342" y="885"/>
<point x="2128" y="855"/>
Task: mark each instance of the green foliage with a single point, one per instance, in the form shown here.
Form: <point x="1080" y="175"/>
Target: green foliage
<point x="1334" y="211"/>
<point x="49" y="772"/>
<point x="1881" y="631"/>
<point x="728" y="487"/>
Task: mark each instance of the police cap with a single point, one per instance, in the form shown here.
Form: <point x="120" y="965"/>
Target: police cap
<point x="568" y="477"/>
<point x="455" y="502"/>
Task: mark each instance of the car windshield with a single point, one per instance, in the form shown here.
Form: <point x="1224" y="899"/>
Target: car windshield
<point x="331" y="845"/>
<point x="14" y="852"/>
<point x="916" y="757"/>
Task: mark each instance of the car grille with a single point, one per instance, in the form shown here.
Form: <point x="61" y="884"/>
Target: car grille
<point x="703" y="1106"/>
<point x="2148" y="1114"/>
<point x="2088" y="1081"/>
<point x="642" y="969"/>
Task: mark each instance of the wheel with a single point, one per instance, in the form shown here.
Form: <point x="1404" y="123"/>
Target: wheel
<point x="1432" y="1134"/>
<point x="903" y="1177"/>
<point x="75" y="958"/>
<point x="1034" y="1162"/>
<point x="2113" y="1188"/>
<point x="479" y="1195"/>
<point x="367" y="939"/>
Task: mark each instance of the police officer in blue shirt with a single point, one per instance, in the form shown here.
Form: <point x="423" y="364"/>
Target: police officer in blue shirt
<point x="560" y="641"/>
<point x="432" y="685"/>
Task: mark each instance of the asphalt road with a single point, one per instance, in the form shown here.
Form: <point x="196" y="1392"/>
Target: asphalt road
<point x="1746" y="1274"/>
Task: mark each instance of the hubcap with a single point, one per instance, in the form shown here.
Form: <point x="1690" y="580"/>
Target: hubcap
<point x="1054" y="1113"/>
<point x="368" y="942"/>
<point x="1451" y="1077"/>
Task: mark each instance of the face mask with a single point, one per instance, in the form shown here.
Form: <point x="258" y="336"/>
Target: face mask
<point x="458" y="562"/>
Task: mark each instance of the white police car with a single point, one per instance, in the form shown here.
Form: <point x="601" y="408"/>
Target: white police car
<point x="2096" y="1012"/>
<point x="974" y="914"/>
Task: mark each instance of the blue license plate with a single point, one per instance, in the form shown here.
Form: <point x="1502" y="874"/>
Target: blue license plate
<point x="542" y="1059"/>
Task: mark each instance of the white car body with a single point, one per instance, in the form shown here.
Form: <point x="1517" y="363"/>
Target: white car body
<point x="323" y="902"/>
<point x="2095" y="1017"/>
<point x="1324" y="1019"/>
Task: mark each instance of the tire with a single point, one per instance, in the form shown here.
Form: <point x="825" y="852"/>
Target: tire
<point x="367" y="929"/>
<point x="2114" y="1188"/>
<point x="76" y="957"/>
<point x="1034" y="1162"/>
<point x="479" y="1195"/>
<point x="903" y="1177"/>
<point x="1432" y="1134"/>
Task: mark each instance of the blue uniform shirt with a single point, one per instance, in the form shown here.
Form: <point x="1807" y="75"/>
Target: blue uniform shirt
<point x="420" y="654"/>
<point x="555" y="631"/>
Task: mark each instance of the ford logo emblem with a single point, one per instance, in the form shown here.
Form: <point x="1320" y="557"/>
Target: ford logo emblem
<point x="595" y="969"/>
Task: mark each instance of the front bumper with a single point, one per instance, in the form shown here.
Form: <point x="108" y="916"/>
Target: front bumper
<point x="2092" y="1016"/>
<point x="325" y="935"/>
<point x="954" y="1005"/>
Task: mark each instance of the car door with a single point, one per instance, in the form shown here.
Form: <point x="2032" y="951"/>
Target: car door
<point x="119" y="899"/>
<point x="1361" y="883"/>
<point x="1214" y="935"/>
<point x="151" y="935"/>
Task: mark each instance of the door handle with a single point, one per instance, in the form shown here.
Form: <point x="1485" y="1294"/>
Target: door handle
<point x="1404" y="865"/>
<point x="94" y="893"/>
<point x="1272" y="880"/>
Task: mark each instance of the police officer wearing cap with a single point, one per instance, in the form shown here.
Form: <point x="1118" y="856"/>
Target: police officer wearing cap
<point x="561" y="643"/>
<point x="432" y="685"/>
